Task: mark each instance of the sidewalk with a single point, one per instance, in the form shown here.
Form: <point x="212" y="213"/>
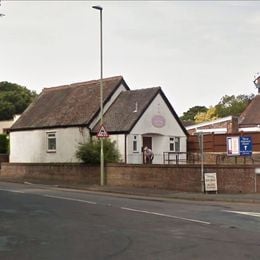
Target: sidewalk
<point x="148" y="193"/>
<point x="160" y="194"/>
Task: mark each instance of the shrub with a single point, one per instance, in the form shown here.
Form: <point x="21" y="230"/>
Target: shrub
<point x="4" y="143"/>
<point x="90" y="152"/>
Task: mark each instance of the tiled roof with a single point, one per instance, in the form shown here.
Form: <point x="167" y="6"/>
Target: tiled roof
<point x="67" y="105"/>
<point x="251" y="115"/>
<point x="127" y="109"/>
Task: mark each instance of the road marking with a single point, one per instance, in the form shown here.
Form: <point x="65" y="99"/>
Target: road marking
<point x="252" y="214"/>
<point x="166" y="215"/>
<point x="71" y="199"/>
<point x="14" y="191"/>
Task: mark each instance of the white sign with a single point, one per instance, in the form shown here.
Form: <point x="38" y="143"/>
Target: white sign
<point x="102" y="133"/>
<point x="233" y="145"/>
<point x="210" y="181"/>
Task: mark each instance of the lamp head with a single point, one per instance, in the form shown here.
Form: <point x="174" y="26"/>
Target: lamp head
<point x="97" y="7"/>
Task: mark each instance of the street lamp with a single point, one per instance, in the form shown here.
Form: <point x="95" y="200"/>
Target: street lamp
<point x="102" y="175"/>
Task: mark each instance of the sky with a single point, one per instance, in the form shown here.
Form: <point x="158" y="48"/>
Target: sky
<point x="196" y="51"/>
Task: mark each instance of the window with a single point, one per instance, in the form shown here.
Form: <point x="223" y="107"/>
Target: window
<point x="135" y="143"/>
<point x="175" y="144"/>
<point x="51" y="142"/>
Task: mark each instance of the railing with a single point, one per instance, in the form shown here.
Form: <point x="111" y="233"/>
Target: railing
<point x="179" y="158"/>
<point x="209" y="158"/>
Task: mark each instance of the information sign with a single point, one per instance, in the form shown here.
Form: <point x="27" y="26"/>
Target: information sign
<point x="246" y="145"/>
<point x="239" y="145"/>
<point x="210" y="181"/>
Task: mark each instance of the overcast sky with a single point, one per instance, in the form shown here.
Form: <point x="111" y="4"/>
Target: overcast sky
<point x="196" y="51"/>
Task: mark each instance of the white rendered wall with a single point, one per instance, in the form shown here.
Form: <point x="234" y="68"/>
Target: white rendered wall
<point x="31" y="146"/>
<point x="120" y="145"/>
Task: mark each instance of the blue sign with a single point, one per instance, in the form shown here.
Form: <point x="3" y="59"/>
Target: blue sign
<point x="246" y="146"/>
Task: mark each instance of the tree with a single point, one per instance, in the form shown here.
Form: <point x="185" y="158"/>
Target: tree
<point x="90" y="152"/>
<point x="4" y="143"/>
<point x="14" y="99"/>
<point x="209" y="115"/>
<point x="192" y="112"/>
<point x="233" y="105"/>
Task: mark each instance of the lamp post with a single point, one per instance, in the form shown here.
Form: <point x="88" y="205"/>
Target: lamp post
<point x="102" y="175"/>
<point x="201" y="143"/>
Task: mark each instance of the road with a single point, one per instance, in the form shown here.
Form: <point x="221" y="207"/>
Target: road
<point x="45" y="222"/>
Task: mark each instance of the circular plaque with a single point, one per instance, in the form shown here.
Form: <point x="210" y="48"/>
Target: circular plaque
<point x="158" y="121"/>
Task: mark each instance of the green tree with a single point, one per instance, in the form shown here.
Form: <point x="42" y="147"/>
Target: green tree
<point x="192" y="112"/>
<point x="14" y="99"/>
<point x="233" y="105"/>
<point x="4" y="143"/>
<point x="90" y="152"/>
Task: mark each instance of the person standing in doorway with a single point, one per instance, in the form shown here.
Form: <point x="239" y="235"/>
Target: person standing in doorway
<point x="148" y="155"/>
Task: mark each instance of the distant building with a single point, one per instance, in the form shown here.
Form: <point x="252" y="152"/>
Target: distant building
<point x="6" y="124"/>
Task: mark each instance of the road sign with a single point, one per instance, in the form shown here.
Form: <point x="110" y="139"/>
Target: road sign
<point x="102" y="133"/>
<point x="246" y="145"/>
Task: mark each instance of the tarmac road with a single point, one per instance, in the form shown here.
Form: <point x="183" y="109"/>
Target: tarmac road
<point x="46" y="222"/>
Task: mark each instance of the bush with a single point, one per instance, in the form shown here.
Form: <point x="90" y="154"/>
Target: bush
<point x="4" y="143"/>
<point x="90" y="152"/>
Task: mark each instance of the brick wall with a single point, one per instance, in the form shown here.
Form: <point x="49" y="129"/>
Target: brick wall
<point x="231" y="179"/>
<point x="4" y="158"/>
<point x="51" y="173"/>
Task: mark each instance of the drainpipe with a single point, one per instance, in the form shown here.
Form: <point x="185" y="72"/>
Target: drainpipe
<point x="125" y="149"/>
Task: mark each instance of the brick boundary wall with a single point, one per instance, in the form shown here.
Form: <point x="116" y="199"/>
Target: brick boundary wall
<point x="51" y="173"/>
<point x="185" y="178"/>
<point x="3" y="158"/>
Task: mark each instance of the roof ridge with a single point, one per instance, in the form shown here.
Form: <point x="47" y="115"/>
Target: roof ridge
<point x="77" y="84"/>
<point x="141" y="89"/>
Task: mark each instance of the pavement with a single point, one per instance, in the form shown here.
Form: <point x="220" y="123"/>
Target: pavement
<point x="162" y="194"/>
<point x="149" y="193"/>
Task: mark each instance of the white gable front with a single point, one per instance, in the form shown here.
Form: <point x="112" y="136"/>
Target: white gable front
<point x="159" y="124"/>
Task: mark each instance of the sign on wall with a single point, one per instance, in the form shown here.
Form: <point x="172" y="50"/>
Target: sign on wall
<point x="210" y="181"/>
<point x="239" y="145"/>
<point x="233" y="145"/>
<point x="246" y="145"/>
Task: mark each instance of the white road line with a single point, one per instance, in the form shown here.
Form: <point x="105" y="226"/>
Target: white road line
<point x="252" y="214"/>
<point x="14" y="191"/>
<point x="166" y="215"/>
<point x="71" y="199"/>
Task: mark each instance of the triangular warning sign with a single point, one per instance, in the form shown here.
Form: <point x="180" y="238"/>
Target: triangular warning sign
<point x="102" y="133"/>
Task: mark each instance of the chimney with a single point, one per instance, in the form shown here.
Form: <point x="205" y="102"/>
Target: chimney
<point x="257" y="83"/>
<point x="232" y="126"/>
